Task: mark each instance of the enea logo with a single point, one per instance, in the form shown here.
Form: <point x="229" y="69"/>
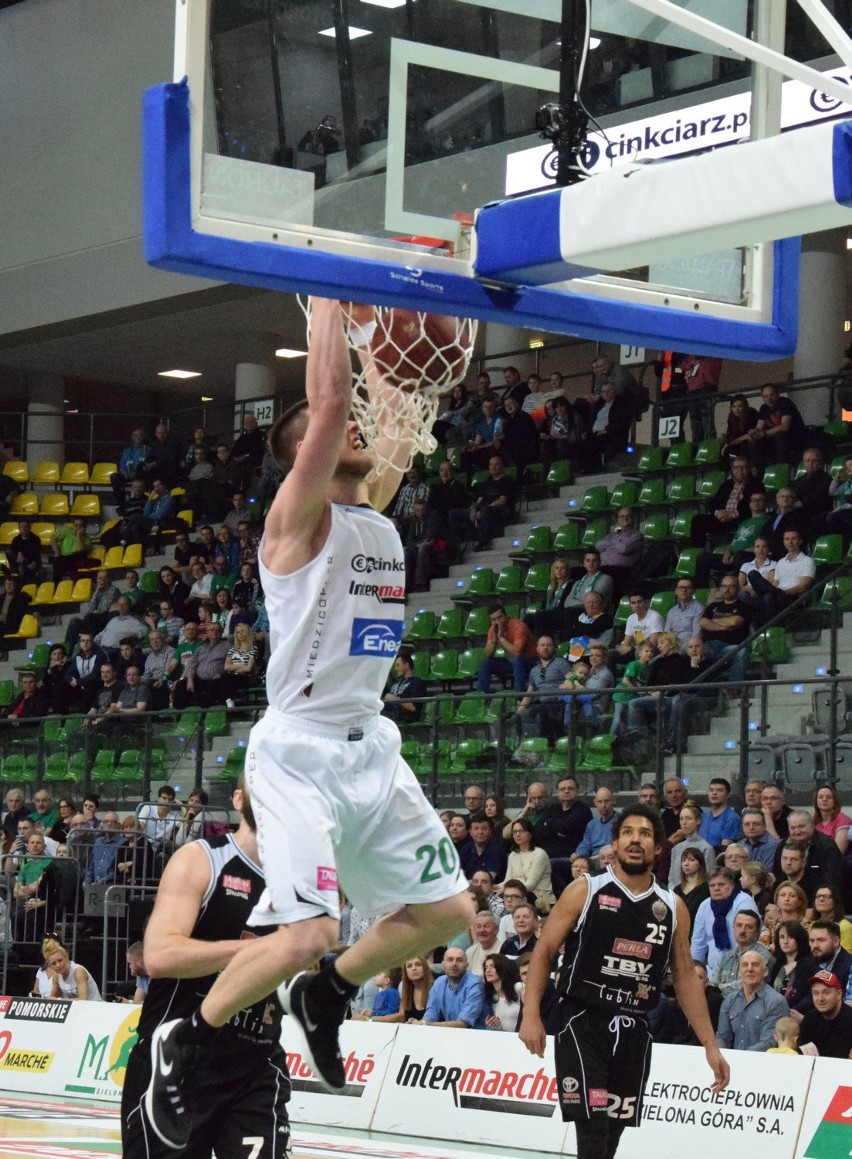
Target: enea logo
<point x="380" y="638"/>
<point x="103" y="1062"/>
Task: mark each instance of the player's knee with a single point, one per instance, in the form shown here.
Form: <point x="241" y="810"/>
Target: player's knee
<point x="310" y="939"/>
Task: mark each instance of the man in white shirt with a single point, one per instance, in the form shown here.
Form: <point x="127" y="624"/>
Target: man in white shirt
<point x="485" y="941"/>
<point x="794" y="573"/>
<point x="642" y="625"/>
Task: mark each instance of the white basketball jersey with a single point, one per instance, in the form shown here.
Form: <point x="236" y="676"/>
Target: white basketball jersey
<point x="336" y="623"/>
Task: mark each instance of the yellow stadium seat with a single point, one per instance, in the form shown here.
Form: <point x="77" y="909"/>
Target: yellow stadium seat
<point x="114" y="558"/>
<point x="133" y="556"/>
<point x="45" y="532"/>
<point x="100" y="474"/>
<point x="29" y="590"/>
<point x="45" y="473"/>
<point x="75" y="475"/>
<point x="44" y="593"/>
<point x="24" y="504"/>
<point x="64" y="592"/>
<point x="8" y="531"/>
<point x="18" y="470"/>
<point x="82" y="592"/>
<point x="87" y="506"/>
<point x="54" y="505"/>
<point x="28" y="629"/>
<point x="187" y="516"/>
<point x="97" y="553"/>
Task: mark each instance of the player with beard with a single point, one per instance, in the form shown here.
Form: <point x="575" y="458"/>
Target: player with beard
<point x="198" y="925"/>
<point x="621" y="931"/>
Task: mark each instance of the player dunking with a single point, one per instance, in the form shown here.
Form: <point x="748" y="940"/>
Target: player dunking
<point x="330" y="792"/>
<point x="622" y="930"/>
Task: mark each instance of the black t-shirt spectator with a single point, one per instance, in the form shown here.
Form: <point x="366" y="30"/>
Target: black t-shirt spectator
<point x="831" y="1036"/>
<point x="718" y="610"/>
<point x="559" y="831"/>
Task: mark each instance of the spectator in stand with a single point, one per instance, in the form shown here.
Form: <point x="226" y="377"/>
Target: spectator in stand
<point x="159" y="514"/>
<point x="131" y="525"/>
<point x="138" y="598"/>
<point x="518" y="440"/>
<point x="755" y="879"/>
<point x="241" y="512"/>
<point x="561" y="433"/>
<point x="621" y="550"/>
<point x="826" y="1031"/>
<point x="792" y="964"/>
<point x="202" y="682"/>
<point x="525" y="938"/>
<point x="742" y="419"/>
<point x="493" y="507"/>
<point x="593" y="702"/>
<point x="822" y="858"/>
<point x="70" y="544"/>
<point x="729" y="506"/>
<point x="764" y="566"/>
<point x="241" y="666"/>
<point x="16" y="810"/>
<point x="514" y="387"/>
<point x="502" y="993"/>
<point x="199" y="490"/>
<point x="403" y="702"/>
<point x="104" y="852"/>
<point x="200" y="590"/>
<point x="559" y="830"/>
<point x="200" y="442"/>
<point x="120" y="626"/>
<point x="451" y="416"/>
<point x="105" y="596"/>
<point x="159" y="821"/>
<point x="669" y="668"/>
<point x="514" y="894"/>
<point x="82" y="677"/>
<point x="155" y="672"/>
<point x="690" y="820"/>
<point x="29" y="704"/>
<point x="610" y="428"/>
<point x="425" y="547"/>
<point x="720" y="824"/>
<point x="598" y="832"/>
<point x="683" y="617"/>
<point x="605" y="371"/>
<point x="228" y="548"/>
<point x="725" y="625"/>
<point x="748" y="1015"/>
<point x="592" y="624"/>
<point x="759" y="844"/>
<point x="247" y="587"/>
<point x="24" y="554"/>
<point x="457" y="998"/>
<point x="551" y="617"/>
<point x="538" y="395"/>
<point x="701" y="375"/>
<point x="188" y="644"/>
<point x="518" y="644"/>
<point x="247" y="541"/>
<point x="629" y="687"/>
<point x="448" y="494"/>
<point x="687" y="701"/>
<point x="775" y="811"/>
<point x="271" y="478"/>
<point x="791" y="903"/>
<point x="530" y="865"/>
<point x="787" y="517"/>
<point x="726" y="973"/>
<point x="828" y="905"/>
<point x="172" y="589"/>
<point x="161" y="617"/>
<point x="248" y="450"/>
<point x="226" y="479"/>
<point x="812" y="491"/>
<point x="829" y="819"/>
<point x="485" y="941"/>
<point x="129" y="465"/>
<point x="129" y="653"/>
<point x="779" y="434"/>
<point x="692" y="885"/>
<point x="824" y="938"/>
<point x="164" y="458"/>
<point x="839" y="519"/>
<point x="133" y="697"/>
<point x="485" y="439"/>
<point x="14" y="605"/>
<point x="741" y="545"/>
<point x="794" y="573"/>
<point x="539" y="713"/>
<point x="484" y="850"/>
<point x="594" y="580"/>
<point x="713" y="929"/>
<point x="642" y="625"/>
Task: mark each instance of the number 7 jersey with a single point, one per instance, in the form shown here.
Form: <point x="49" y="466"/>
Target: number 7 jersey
<point x="617" y="955"/>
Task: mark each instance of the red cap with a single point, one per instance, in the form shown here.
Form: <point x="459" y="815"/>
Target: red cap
<point x="827" y="979"/>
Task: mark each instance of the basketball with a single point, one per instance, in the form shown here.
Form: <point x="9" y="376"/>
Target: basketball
<point x="412" y="350"/>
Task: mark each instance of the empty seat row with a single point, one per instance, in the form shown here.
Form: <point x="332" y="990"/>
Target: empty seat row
<point x="49" y="474"/>
<point x="55" y="505"/>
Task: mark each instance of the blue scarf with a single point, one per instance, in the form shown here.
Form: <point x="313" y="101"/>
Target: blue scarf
<point x="721" y="909"/>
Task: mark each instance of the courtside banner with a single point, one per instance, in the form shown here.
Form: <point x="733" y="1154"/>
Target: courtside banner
<point x="366" y="1049"/>
<point x="759" y="1113"/>
<point x="472" y="1087"/>
<point x="65" y="1048"/>
<point x="827" y="1125"/>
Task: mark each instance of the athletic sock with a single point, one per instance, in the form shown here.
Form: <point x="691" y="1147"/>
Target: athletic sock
<point x="329" y="989"/>
<point x="195" y="1031"/>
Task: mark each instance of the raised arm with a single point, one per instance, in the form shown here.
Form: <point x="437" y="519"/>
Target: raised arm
<point x="297" y="522"/>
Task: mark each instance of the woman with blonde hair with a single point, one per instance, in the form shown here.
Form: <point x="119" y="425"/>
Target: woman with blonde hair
<point x="552" y="618"/>
<point x="756" y="879"/>
<point x="240" y="665"/>
<point x="43" y="984"/>
<point x="793" y="903"/>
<point x="70" y="980"/>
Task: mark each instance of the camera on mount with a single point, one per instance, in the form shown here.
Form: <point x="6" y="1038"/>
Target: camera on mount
<point x="550" y="121"/>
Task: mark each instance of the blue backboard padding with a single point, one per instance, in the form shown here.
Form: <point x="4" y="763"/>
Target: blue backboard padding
<point x="841" y="157"/>
<point x="171" y="243"/>
<point x="535" y="218"/>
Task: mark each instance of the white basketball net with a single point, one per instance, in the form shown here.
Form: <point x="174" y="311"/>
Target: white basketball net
<point x="401" y="412"/>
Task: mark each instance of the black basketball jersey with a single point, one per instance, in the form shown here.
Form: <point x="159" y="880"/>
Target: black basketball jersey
<point x="617" y="954"/>
<point x="235" y="887"/>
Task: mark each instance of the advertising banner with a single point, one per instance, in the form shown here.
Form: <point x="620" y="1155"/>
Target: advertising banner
<point x="827" y="1126"/>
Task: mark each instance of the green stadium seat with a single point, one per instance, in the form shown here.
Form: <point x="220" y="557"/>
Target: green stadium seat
<point x="776" y="476"/>
<point x="532" y="751"/>
<point x="510" y="581"/>
<point x="477" y="623"/>
<point x="771" y="645"/>
<point x="709" y="484"/>
<point x="681" y="489"/>
<point x="450" y="625"/>
<point x="842" y="586"/>
<point x="445" y="666"/>
<point x="472" y="710"/>
<point x="8" y="691"/>
<point x="557" y="762"/>
<point x="622" y="612"/>
<point x="595" y="500"/>
<point x="624" y="494"/>
<point x="656" y="527"/>
<point x="598" y="756"/>
<point x="469" y="661"/>
<point x="567" y="538"/>
<point x="708" y="453"/>
<point x="56" y="768"/>
<point x="150" y="582"/>
<point x="537" y="578"/>
<point x="687" y="561"/>
<point x="539" y="541"/>
<point x="422" y="627"/>
<point x="828" y="551"/>
<point x="650" y="461"/>
<point x="652" y="493"/>
<point x="662" y="602"/>
<point x="682" y="525"/>
<point x="679" y="456"/>
<point x="216" y="722"/>
<point x="480" y="586"/>
<point x="420" y="662"/>
<point x="561" y="474"/>
<point x="595" y="529"/>
<point x="466" y="754"/>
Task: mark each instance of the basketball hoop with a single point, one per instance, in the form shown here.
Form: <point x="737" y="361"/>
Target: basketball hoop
<point x="408" y="360"/>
